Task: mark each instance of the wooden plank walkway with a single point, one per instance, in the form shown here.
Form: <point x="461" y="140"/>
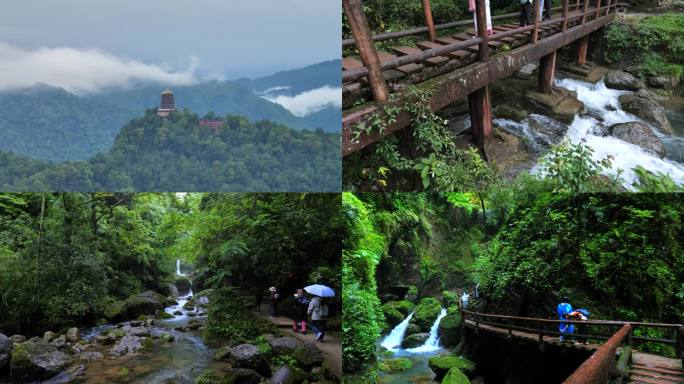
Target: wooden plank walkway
<point x="432" y="67"/>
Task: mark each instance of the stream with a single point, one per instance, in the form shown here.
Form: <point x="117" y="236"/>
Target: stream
<point x="179" y="361"/>
<point x="603" y="107"/>
<point x="419" y="372"/>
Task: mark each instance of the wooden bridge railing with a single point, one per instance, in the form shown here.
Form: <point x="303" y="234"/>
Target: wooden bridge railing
<point x="544" y="327"/>
<point x="357" y="73"/>
<point x="600" y="366"/>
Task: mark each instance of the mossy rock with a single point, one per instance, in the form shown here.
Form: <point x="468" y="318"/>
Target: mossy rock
<point x="183" y="284"/>
<point x="412" y="329"/>
<point x="147" y="342"/>
<point x="426" y="313"/>
<point x="449" y="298"/>
<point x="415" y="340"/>
<point x="395" y="365"/>
<point x="117" y="332"/>
<point x="164" y="315"/>
<point x="208" y="377"/>
<point x="441" y="365"/>
<point x="403" y="306"/>
<point x="450" y="328"/>
<point x="124" y="374"/>
<point x="116" y="311"/>
<point x="455" y="376"/>
<point x="392" y="316"/>
<point x="167" y="337"/>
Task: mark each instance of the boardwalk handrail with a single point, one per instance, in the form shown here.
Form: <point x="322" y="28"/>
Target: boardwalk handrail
<point x="599" y="367"/>
<point x="357" y="73"/>
<point x="536" y="326"/>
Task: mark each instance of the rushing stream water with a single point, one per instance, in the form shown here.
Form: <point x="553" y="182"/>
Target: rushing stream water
<point x="180" y="361"/>
<point x="603" y="107"/>
<point x="419" y="372"/>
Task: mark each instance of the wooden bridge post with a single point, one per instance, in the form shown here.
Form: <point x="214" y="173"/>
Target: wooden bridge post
<point x="608" y="9"/>
<point x="479" y="102"/>
<point x="680" y="344"/>
<point x="428" y="20"/>
<point x="577" y="5"/>
<point x="536" y="15"/>
<point x="364" y="43"/>
<point x="582" y="45"/>
<point x="598" y="9"/>
<point x="564" y="25"/>
<point x="480" y="105"/>
<point x="585" y="8"/>
<point x="547" y="70"/>
<point x="481" y="16"/>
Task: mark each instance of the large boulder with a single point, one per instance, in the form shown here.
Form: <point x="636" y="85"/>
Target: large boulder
<point x="440" y="365"/>
<point x="450" y="328"/>
<point x="622" y="81"/>
<point x="73" y="335"/>
<point x="249" y="356"/>
<point x="392" y="316"/>
<point x="412" y="329"/>
<point x="183" y="284"/>
<point x="308" y="356"/>
<point x="455" y="376"/>
<point x="5" y="350"/>
<point x="116" y="311"/>
<point x="546" y="131"/>
<point x="640" y="134"/>
<point x="287" y="375"/>
<point x="171" y="290"/>
<point x="415" y="340"/>
<point x="426" y="313"/>
<point x="644" y="106"/>
<point x="127" y="344"/>
<point x="146" y="303"/>
<point x="395" y="365"/>
<point x="37" y="360"/>
<point x="241" y="376"/>
<point x="403" y="306"/>
<point x="663" y="82"/>
<point x="284" y="345"/>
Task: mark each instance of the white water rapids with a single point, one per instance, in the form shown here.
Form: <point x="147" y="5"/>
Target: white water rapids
<point x="392" y="342"/>
<point x="603" y="106"/>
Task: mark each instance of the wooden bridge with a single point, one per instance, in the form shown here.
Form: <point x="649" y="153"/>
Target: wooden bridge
<point x="611" y="342"/>
<point x="452" y="67"/>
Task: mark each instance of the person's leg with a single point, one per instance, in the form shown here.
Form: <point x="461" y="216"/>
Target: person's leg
<point x="547" y="5"/>
<point x="321" y="328"/>
<point x="303" y="327"/>
<point x="314" y="327"/>
<point x="528" y="13"/>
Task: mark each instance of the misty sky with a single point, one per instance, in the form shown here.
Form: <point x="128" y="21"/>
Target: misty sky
<point x="228" y="38"/>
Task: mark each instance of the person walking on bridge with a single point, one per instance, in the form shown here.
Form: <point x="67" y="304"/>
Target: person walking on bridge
<point x="564" y="310"/>
<point x="525" y="13"/>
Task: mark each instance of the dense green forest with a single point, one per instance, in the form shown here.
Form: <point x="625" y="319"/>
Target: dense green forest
<point x="78" y="260"/>
<point x="619" y="255"/>
<point x="155" y="154"/>
<point x="51" y="124"/>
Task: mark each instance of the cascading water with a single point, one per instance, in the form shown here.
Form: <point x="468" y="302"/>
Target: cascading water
<point x="603" y="107"/>
<point x="178" y="271"/>
<point x="393" y="341"/>
<point x="432" y="343"/>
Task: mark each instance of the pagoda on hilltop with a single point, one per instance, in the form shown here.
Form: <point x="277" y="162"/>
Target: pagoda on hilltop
<point x="168" y="104"/>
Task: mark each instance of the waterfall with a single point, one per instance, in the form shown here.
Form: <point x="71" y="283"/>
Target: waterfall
<point x="603" y="107"/>
<point x="432" y="343"/>
<point x="393" y="341"/>
<point x="178" y="271"/>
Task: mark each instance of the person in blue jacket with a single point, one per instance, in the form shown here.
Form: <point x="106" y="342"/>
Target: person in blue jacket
<point x="564" y="310"/>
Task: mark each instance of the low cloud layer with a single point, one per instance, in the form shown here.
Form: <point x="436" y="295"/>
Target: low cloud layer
<point x="81" y="71"/>
<point x="311" y="101"/>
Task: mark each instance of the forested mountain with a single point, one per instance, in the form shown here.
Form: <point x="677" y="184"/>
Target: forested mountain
<point x="299" y="80"/>
<point x="154" y="154"/>
<point x="221" y="97"/>
<point x="50" y="123"/>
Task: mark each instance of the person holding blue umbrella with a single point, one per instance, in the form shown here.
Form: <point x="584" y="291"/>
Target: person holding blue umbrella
<point x="318" y="309"/>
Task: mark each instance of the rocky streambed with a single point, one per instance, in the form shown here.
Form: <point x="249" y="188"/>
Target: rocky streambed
<point x="618" y="116"/>
<point x="162" y="345"/>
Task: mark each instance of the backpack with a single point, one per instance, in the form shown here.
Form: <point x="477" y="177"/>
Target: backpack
<point x="322" y="310"/>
